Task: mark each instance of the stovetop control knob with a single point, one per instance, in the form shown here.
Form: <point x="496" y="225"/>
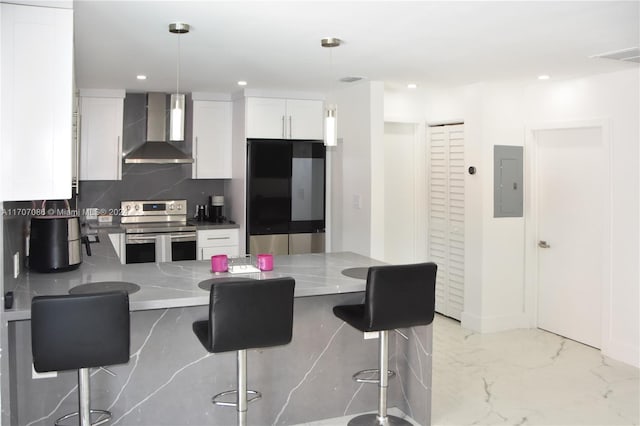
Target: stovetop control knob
<point x="179" y="206"/>
<point x="137" y="207"/>
<point x="170" y="206"/>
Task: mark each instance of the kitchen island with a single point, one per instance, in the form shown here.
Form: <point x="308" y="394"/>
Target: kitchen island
<point x="170" y="378"/>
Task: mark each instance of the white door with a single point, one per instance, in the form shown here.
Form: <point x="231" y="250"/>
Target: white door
<point x="570" y="194"/>
<point x="446" y="233"/>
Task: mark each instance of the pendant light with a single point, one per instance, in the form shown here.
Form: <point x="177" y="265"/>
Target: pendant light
<point x="176" y="117"/>
<point x="331" y="112"/>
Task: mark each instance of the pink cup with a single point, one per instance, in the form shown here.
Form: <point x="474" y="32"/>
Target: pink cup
<point x="265" y="262"/>
<point x="219" y="263"/>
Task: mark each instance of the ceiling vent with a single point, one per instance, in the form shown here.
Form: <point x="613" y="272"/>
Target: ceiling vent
<point x="350" y="79"/>
<point x="631" y="54"/>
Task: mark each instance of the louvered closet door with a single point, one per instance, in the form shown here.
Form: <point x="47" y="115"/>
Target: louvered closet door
<point x="446" y="216"/>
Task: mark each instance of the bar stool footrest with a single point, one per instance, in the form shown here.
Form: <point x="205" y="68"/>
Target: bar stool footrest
<point x="358" y="375"/>
<point x="216" y="398"/>
<point x="75" y="414"/>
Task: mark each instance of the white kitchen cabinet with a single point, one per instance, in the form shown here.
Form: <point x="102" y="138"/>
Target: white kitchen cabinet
<point x="101" y="123"/>
<point x="211" y="139"/>
<point x="36" y="102"/>
<point x="275" y="118"/>
<point x="211" y="242"/>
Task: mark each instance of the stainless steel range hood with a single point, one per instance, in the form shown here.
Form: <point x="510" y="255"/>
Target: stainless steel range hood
<point x="156" y="150"/>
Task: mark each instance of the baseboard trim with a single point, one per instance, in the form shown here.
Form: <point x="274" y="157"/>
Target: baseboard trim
<point x="495" y="323"/>
<point x="623" y="352"/>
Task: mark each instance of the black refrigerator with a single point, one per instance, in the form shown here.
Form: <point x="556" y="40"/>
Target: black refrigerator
<point x="285" y="196"/>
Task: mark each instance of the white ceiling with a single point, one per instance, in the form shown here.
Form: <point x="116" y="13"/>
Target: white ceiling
<point x="276" y="45"/>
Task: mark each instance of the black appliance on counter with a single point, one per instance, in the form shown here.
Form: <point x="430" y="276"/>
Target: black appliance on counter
<point x="55" y="243"/>
<point x="285" y="196"/>
<point x="157" y="231"/>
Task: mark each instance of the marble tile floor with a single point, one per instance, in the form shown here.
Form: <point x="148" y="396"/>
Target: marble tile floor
<point x="527" y="377"/>
<point x="524" y="377"/>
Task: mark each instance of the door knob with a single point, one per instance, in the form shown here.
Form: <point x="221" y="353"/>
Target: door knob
<point x="543" y="244"/>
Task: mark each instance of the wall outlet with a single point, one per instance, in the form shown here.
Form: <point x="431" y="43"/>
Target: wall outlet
<point x="357" y="201"/>
<point x="371" y="335"/>
<point x="47" y="375"/>
<point x="16" y="264"/>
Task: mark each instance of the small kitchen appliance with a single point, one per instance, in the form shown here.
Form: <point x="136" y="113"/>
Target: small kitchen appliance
<point x="157" y="231"/>
<point x="216" y="209"/>
<point x="55" y="243"/>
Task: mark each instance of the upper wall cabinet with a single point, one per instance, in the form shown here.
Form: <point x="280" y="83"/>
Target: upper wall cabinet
<point x="101" y="122"/>
<point x="211" y="138"/>
<point x="36" y="102"/>
<point x="274" y="118"/>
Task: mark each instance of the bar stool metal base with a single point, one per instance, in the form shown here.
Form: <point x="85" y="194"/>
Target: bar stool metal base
<point x="375" y="420"/>
<point x="99" y="422"/>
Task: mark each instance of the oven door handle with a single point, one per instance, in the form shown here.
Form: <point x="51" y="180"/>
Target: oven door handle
<point x="183" y="237"/>
<point x="140" y="239"/>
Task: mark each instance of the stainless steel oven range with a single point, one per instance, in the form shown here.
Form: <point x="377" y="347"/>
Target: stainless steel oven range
<point x="157" y="231"/>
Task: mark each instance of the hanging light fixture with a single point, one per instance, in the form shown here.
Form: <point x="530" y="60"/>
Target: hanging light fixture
<point x="176" y="118"/>
<point x="331" y="112"/>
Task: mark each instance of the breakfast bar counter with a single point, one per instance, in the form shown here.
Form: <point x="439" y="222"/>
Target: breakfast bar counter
<point x="170" y="378"/>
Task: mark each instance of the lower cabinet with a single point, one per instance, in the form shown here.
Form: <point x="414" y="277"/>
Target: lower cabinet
<point x="218" y="241"/>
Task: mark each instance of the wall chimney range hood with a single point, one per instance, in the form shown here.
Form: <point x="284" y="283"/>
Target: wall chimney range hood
<point x="156" y="149"/>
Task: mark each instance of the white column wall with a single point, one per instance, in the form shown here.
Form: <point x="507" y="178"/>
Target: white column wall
<point x="356" y="214"/>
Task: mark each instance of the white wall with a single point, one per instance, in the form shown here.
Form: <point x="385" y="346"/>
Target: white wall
<point x="497" y="291"/>
<point x="354" y="169"/>
<point x="236" y="188"/>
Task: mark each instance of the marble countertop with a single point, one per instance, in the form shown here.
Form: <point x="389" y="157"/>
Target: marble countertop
<point x="175" y="284"/>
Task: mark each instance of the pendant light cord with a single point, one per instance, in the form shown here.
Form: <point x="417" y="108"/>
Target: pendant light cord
<point x="332" y="83"/>
<point x="178" y="69"/>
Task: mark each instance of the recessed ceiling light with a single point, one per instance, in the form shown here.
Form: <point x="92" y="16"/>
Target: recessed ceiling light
<point x="543" y="77"/>
<point x="242" y="83"/>
<point x="412" y="86"/>
<point x="141" y="77"/>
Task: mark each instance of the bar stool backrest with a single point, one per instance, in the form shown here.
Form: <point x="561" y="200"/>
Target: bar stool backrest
<point x="70" y="332"/>
<point x="250" y="314"/>
<point x="400" y="296"/>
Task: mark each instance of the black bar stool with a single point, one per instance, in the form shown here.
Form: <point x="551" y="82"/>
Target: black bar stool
<point x="77" y="332"/>
<point x="396" y="296"/>
<point x="246" y="315"/>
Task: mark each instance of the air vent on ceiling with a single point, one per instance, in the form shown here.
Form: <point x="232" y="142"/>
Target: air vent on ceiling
<point x="350" y="79"/>
<point x="631" y="54"/>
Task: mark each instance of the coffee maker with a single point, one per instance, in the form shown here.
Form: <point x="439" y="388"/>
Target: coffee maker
<point x="216" y="209"/>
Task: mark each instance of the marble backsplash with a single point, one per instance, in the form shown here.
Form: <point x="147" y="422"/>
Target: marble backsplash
<point x="149" y="182"/>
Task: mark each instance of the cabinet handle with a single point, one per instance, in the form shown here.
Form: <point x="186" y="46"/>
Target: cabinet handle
<point x="284" y="136"/>
<point x="77" y="165"/>
<point x="195" y="158"/>
<point x="217" y="238"/>
<point x="290" y="129"/>
<point x="119" y="159"/>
